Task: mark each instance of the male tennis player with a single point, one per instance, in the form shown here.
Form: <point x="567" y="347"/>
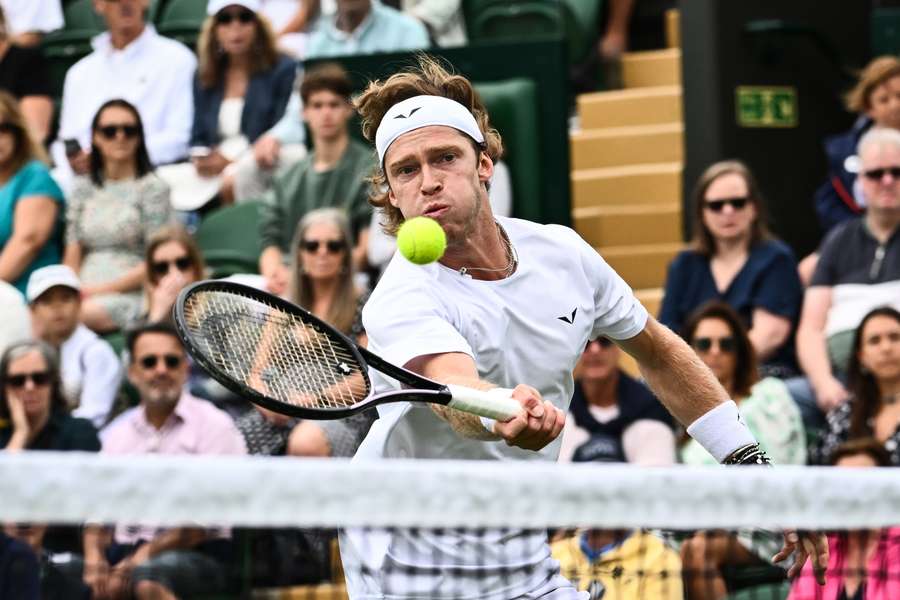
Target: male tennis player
<point x="512" y="304"/>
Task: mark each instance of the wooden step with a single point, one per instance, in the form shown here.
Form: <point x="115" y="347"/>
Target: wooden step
<point x="651" y="68"/>
<point x="629" y="224"/>
<point x="673" y="28"/>
<point x="618" y="146"/>
<point x="632" y="184"/>
<point x="651" y="298"/>
<point x="638" y="106"/>
<point x="641" y="266"/>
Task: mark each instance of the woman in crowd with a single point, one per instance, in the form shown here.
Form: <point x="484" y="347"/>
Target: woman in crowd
<point x="241" y="89"/>
<point x="873" y="377"/>
<point x="172" y="260"/>
<point x="31" y="204"/>
<point x="734" y="258"/>
<point x="111" y="214"/>
<point x="717" y="335"/>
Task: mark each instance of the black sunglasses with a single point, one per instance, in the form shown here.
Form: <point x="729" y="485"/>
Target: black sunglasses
<point x="161" y="267"/>
<point x="38" y="378"/>
<point x="312" y="246"/>
<point x="243" y="16"/>
<point x="717" y="205"/>
<point x="9" y="128"/>
<point x="172" y="361"/>
<point x="705" y="344"/>
<point x="109" y="131"/>
<point x="878" y="174"/>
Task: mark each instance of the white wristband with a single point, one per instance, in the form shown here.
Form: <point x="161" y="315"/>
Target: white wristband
<point x="721" y="431"/>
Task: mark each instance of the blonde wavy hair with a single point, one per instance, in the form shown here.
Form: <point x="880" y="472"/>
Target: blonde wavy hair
<point x="212" y="60"/>
<point x="427" y="77"/>
<point x="881" y="69"/>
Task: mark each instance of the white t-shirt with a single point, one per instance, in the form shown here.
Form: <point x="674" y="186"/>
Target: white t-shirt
<point x="528" y="328"/>
<point x="91" y="375"/>
<point x="23" y="16"/>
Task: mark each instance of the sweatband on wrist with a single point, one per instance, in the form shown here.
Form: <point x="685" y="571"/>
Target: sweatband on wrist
<point x="721" y="431"/>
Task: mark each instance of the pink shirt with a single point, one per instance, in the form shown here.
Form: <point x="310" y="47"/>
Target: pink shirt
<point x="882" y="571"/>
<point x="194" y="427"/>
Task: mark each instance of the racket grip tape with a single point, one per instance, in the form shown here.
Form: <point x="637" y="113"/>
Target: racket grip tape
<point x="496" y="403"/>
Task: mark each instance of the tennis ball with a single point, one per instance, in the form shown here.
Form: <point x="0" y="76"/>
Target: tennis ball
<point x="421" y="240"/>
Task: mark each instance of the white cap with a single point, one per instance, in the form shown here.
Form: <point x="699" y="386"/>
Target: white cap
<point x="215" y="6"/>
<point x="45" y="278"/>
<point x="423" y="111"/>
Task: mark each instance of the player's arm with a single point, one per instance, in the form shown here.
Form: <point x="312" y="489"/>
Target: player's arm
<point x="539" y="423"/>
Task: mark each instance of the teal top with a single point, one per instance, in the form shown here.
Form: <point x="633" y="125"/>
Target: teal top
<point x="385" y="29"/>
<point x="32" y="180"/>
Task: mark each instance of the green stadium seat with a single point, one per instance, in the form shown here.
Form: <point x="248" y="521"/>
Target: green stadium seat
<point x="229" y="239"/>
<point x="62" y="49"/>
<point x="517" y="20"/>
<point x="885" y="31"/>
<point x="512" y="104"/>
<point x="181" y="20"/>
<point x="582" y="18"/>
<point x="80" y="15"/>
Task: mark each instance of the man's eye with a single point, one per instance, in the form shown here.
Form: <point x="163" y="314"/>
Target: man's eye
<point x="448" y="157"/>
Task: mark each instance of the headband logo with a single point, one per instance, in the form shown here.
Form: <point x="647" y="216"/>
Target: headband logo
<point x="411" y="113"/>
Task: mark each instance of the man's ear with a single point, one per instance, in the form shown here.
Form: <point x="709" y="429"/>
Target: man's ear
<point x="485" y="167"/>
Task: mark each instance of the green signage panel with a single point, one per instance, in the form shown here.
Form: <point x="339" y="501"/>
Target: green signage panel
<point x="766" y="106"/>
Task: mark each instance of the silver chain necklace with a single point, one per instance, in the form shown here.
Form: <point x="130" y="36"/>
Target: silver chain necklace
<point x="512" y="258"/>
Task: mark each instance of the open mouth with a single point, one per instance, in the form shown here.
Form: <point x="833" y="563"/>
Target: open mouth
<point x="434" y="211"/>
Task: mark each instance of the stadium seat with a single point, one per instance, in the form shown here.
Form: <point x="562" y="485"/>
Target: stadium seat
<point x="581" y="19"/>
<point x="512" y="104"/>
<point x="181" y="20"/>
<point x="885" y="31"/>
<point x="80" y="15"/>
<point x="517" y="20"/>
<point x="229" y="239"/>
<point x="62" y="49"/>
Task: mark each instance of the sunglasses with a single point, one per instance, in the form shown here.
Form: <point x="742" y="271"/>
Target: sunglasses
<point x="9" y="128"/>
<point x="878" y="174"/>
<point x="242" y="16"/>
<point x="717" y="205"/>
<point x="161" y="267"/>
<point x="172" y="361"/>
<point x="312" y="246"/>
<point x="38" y="378"/>
<point x="705" y="344"/>
<point x="109" y="132"/>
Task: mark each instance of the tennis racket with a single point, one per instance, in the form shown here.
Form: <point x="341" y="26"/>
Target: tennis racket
<point x="283" y="358"/>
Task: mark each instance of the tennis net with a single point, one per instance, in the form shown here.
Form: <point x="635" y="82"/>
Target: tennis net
<point x="444" y="529"/>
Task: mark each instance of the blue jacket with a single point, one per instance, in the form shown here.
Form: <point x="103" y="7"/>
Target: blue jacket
<point x="834" y="199"/>
<point x="264" y="103"/>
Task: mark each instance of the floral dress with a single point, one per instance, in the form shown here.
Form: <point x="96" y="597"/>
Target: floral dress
<point x="112" y="223"/>
<point x="839" y="432"/>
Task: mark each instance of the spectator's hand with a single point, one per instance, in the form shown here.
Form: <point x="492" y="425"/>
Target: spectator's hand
<point x="277" y="280"/>
<point x="210" y="165"/>
<point x="162" y="297"/>
<point x="266" y="150"/>
<point x="80" y="162"/>
<point x="96" y="577"/>
<point x="536" y="426"/>
<point x="804" y="545"/>
<point x="830" y="394"/>
<point x="17" y="415"/>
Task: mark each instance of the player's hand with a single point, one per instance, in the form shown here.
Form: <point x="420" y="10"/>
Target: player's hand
<point x="830" y="394"/>
<point x="804" y="545"/>
<point x="537" y="425"/>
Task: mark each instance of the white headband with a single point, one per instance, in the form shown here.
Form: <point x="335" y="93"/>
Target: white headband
<point x="422" y="111"/>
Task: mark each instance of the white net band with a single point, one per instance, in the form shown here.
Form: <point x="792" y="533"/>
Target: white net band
<point x="273" y="492"/>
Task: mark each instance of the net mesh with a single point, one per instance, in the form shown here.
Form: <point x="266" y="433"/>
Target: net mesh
<point x="440" y="529"/>
<point x="276" y="353"/>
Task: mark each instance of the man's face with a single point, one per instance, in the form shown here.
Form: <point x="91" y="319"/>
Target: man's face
<point x="880" y="187"/>
<point x="354" y="6"/>
<point x="327" y="114"/>
<point x="121" y="14"/>
<point x="55" y="314"/>
<point x="158" y="369"/>
<point x="434" y="171"/>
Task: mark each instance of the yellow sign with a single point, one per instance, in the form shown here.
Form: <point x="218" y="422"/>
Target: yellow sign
<point x="766" y="106"/>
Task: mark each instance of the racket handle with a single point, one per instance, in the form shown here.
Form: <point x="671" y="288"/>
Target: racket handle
<point x="496" y="403"/>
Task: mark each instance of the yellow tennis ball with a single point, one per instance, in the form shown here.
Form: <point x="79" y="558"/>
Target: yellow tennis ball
<point x="421" y="240"/>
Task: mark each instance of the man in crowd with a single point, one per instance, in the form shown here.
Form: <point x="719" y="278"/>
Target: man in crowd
<point x="366" y="27"/>
<point x="91" y="371"/>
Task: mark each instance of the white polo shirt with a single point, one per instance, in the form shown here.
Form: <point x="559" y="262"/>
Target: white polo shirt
<point x="91" y="375"/>
<point x="528" y="328"/>
<point x="23" y="16"/>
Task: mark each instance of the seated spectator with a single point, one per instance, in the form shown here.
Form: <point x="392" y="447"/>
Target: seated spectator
<point x="19" y="570"/>
<point x="333" y="175"/>
<point x="612" y="417"/>
<point x="292" y="20"/>
<point x="172" y="260"/>
<point x="322" y="282"/>
<point x="366" y="27"/>
<point x="91" y="371"/>
<point x="717" y="335"/>
<point x="15" y="319"/>
<point x="734" y="258"/>
<point x="31" y="204"/>
<point x="29" y="20"/>
<point x="240" y="92"/>
<point x="110" y="216"/>
<point x="858" y="270"/>
<point x="147" y="562"/>
<point x="862" y="565"/>
<point x="24" y="74"/>
<point x="444" y="21"/>
<point x="873" y="377"/>
<point x="133" y="62"/>
<point x="34" y="416"/>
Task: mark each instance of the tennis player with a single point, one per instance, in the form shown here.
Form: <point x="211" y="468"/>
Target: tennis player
<point x="511" y="304"/>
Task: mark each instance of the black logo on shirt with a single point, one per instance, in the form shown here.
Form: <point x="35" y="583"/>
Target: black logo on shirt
<point x="411" y="113"/>
<point x="571" y="319"/>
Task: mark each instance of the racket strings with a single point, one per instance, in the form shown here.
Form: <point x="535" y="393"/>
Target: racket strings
<point x="276" y="353"/>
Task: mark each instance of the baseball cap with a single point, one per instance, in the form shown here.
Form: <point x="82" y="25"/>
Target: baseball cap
<point x="45" y="278"/>
<point x="215" y="6"/>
